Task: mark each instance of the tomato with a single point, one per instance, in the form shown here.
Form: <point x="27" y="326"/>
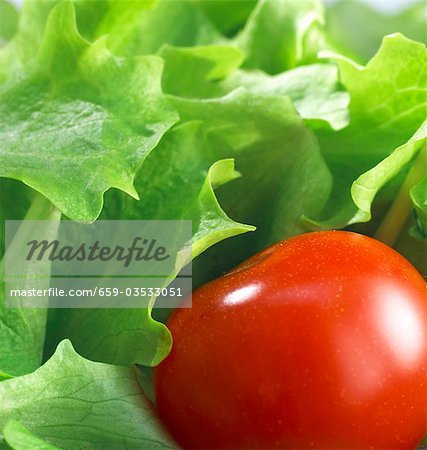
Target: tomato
<point x="319" y="342"/>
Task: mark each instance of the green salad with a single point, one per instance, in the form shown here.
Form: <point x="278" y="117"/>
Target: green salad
<point x="256" y="120"/>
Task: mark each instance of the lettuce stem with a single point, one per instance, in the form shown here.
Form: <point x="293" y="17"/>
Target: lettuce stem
<point x="394" y="221"/>
<point x="40" y="209"/>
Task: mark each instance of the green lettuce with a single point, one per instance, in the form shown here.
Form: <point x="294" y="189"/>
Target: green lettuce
<point x="387" y="111"/>
<point x="213" y="71"/>
<point x="70" y="401"/>
<point x="418" y="196"/>
<point x="283" y="173"/>
<point x="357" y="29"/>
<point x="228" y="16"/>
<point x="256" y="120"/>
<point x="8" y="21"/>
<point x="280" y="35"/>
<point x="89" y="141"/>
<point x="82" y="92"/>
<point x="18" y="437"/>
<point x="170" y="189"/>
<point x="15" y="200"/>
<point x="22" y="329"/>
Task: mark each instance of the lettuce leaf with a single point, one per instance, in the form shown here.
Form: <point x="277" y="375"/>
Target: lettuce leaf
<point x="22" y="50"/>
<point x="87" y="118"/>
<point x="20" y="438"/>
<point x="177" y="23"/>
<point x="314" y="90"/>
<point x="15" y="200"/>
<point x="364" y="189"/>
<point x="8" y="21"/>
<point x="170" y="188"/>
<point x="212" y="71"/>
<point x="419" y="197"/>
<point x="283" y="173"/>
<point x="280" y="35"/>
<point x="228" y="16"/>
<point x="357" y="28"/>
<point x="102" y="102"/>
<point x="72" y="402"/>
<point x="22" y="329"/>
<point x="5" y="376"/>
<point x="387" y="106"/>
<point x="136" y="27"/>
<point x="197" y="72"/>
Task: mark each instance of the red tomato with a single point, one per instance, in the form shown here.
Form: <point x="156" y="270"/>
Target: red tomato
<point x="318" y="342"/>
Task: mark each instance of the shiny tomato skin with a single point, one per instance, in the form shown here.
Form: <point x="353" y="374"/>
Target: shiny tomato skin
<point x="319" y="342"/>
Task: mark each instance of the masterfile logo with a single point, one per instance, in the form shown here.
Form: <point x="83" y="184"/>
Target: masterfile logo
<point x="107" y="264"/>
